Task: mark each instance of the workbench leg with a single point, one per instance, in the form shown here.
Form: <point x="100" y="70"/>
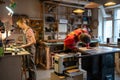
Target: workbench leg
<point x="47" y="58"/>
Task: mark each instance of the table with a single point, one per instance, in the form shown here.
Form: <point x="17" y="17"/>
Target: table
<point x="11" y="66"/>
<point x="99" y="62"/>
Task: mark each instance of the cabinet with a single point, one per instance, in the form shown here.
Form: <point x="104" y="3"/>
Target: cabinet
<point x="99" y="63"/>
<point x="13" y="71"/>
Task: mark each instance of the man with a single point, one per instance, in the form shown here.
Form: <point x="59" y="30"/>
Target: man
<point x="75" y="36"/>
<point x="29" y="46"/>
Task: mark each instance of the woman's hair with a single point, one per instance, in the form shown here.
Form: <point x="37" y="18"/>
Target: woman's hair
<point x="23" y="18"/>
<point x="26" y="19"/>
<point x="20" y="19"/>
<point x="85" y="38"/>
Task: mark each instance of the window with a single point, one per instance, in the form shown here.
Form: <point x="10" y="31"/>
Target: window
<point x="107" y="30"/>
<point x="110" y="27"/>
<point x="116" y="24"/>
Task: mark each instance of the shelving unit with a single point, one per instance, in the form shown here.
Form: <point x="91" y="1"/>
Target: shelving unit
<point x="56" y="16"/>
<point x="37" y="26"/>
<point x="50" y="21"/>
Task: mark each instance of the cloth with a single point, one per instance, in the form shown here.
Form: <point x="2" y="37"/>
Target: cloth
<point x="28" y="34"/>
<point x="30" y="59"/>
<point x="72" y="39"/>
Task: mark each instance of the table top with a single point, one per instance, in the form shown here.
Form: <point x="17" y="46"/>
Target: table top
<point x="99" y="50"/>
<point x="13" y="51"/>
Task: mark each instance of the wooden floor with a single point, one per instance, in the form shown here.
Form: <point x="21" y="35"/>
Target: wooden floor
<point x="45" y="74"/>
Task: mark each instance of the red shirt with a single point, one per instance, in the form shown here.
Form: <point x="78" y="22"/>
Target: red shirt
<point x="72" y="38"/>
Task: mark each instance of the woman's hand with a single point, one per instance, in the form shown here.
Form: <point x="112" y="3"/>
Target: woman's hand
<point x="22" y="46"/>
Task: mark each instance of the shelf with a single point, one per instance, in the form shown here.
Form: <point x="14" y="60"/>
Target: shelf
<point x="50" y="22"/>
<point x="49" y="14"/>
<point x="62" y="32"/>
<point x="51" y="32"/>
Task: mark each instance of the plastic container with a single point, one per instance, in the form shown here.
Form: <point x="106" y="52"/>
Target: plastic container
<point x="1" y="48"/>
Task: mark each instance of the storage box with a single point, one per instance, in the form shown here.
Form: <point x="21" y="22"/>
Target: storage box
<point x="77" y="74"/>
<point x="54" y="76"/>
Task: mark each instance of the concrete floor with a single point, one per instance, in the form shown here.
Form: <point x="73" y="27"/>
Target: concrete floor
<point x="45" y="74"/>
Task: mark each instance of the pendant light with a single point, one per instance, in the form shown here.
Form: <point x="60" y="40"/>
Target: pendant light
<point x="110" y="3"/>
<point x="78" y="10"/>
<point x="92" y="5"/>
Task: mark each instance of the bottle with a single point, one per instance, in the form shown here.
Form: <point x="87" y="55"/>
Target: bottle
<point x="108" y="40"/>
<point x="1" y="48"/>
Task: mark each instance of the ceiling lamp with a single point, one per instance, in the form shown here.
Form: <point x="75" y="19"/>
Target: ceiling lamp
<point x="78" y="11"/>
<point x="111" y="3"/>
<point x="92" y="5"/>
<point x="10" y="11"/>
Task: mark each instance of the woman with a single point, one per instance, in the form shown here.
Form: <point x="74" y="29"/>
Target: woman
<point x="29" y="46"/>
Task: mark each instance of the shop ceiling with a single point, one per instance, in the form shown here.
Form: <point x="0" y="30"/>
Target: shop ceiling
<point x="81" y="3"/>
<point x="2" y="2"/>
